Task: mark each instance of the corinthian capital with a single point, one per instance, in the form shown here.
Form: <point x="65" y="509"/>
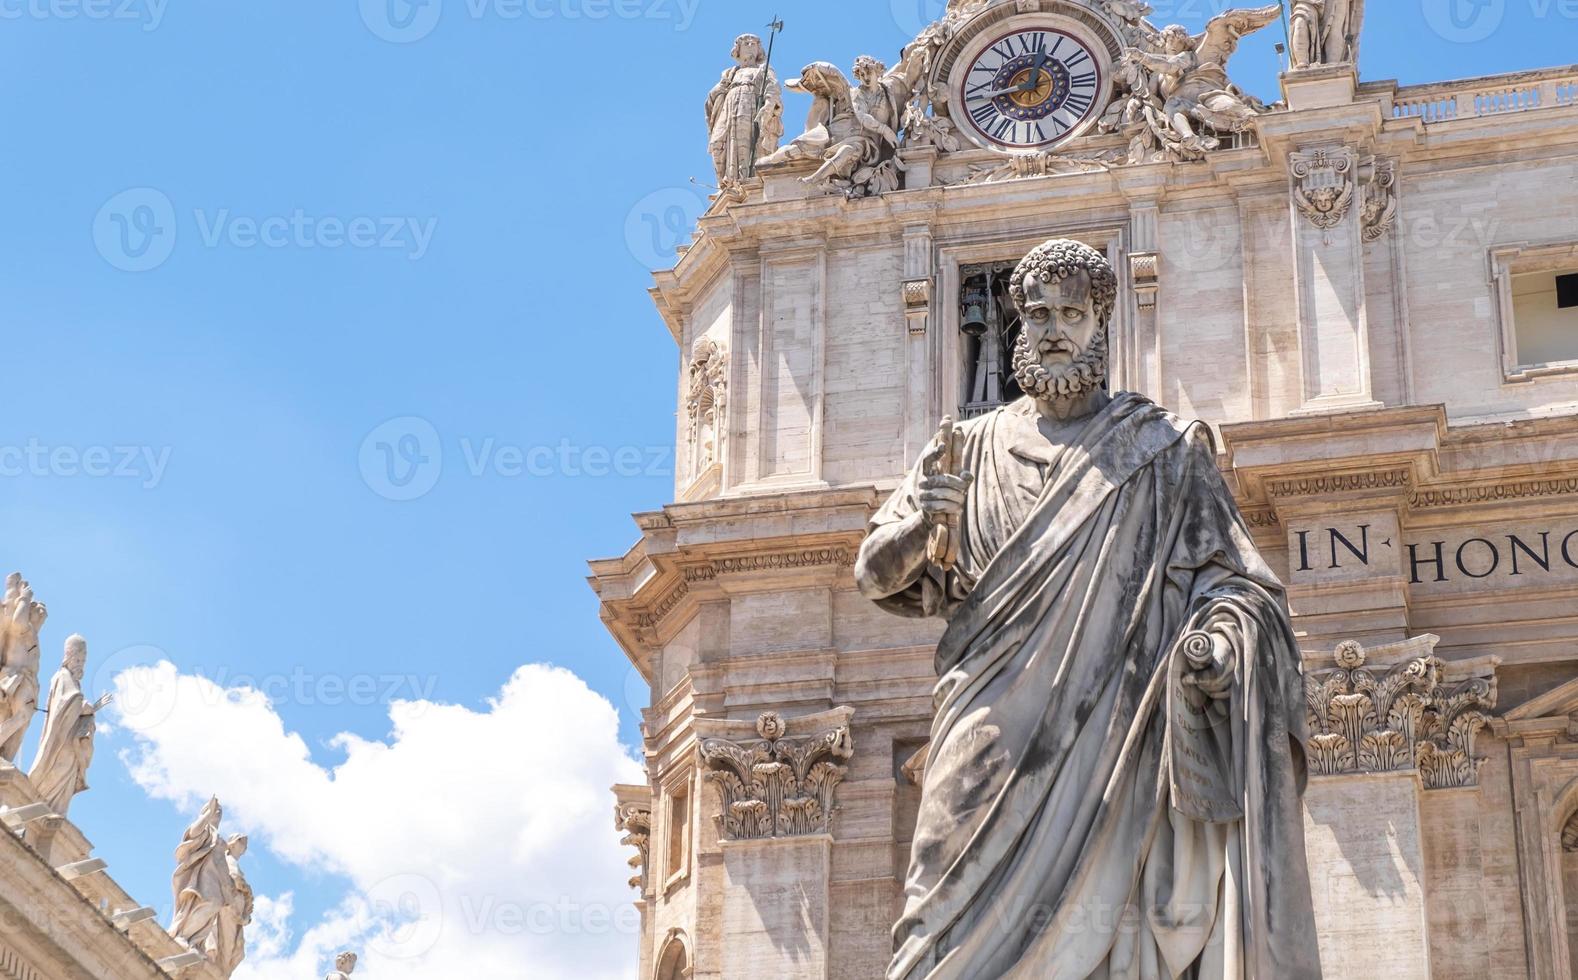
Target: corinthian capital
<point x="776" y="777"/>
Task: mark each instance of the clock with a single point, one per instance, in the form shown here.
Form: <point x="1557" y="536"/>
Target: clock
<point x="1029" y="88"/>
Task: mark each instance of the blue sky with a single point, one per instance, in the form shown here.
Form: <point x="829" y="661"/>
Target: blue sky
<point x="449" y="219"/>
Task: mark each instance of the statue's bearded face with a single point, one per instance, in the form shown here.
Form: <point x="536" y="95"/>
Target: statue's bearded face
<point x="748" y="51"/>
<point x="1062" y="349"/>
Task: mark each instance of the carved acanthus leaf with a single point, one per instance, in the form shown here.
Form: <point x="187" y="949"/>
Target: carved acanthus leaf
<point x="779" y="784"/>
<point x="1365" y="719"/>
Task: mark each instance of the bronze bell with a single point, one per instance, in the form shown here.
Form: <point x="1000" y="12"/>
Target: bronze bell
<point x="974" y="319"/>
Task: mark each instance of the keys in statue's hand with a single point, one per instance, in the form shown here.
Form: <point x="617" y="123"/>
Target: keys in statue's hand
<point x="942" y="493"/>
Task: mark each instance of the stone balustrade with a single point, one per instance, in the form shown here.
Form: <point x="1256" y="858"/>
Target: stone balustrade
<point x="1474" y="98"/>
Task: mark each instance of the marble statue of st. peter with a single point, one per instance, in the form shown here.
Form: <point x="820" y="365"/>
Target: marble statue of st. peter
<point x="1113" y="780"/>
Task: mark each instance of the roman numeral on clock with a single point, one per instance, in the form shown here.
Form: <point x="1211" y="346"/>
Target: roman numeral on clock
<point x="1031" y="43"/>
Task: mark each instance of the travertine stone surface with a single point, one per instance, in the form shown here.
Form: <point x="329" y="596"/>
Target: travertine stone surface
<point x="776" y="908"/>
<point x="1367" y="876"/>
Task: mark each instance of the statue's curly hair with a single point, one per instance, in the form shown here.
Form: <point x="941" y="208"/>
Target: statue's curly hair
<point x="1060" y="258"/>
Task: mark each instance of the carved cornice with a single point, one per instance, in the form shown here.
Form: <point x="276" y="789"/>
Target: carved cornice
<point x="808" y="558"/>
<point x="1395" y="719"/>
<point x="1493" y="493"/>
<point x="1262" y="517"/>
<point x="1340" y="483"/>
<point x="781" y="782"/>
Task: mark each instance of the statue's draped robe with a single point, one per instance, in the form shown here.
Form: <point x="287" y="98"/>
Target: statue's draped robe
<point x="66" y="748"/>
<point x="731" y="120"/>
<point x="211" y="902"/>
<point x="1082" y="815"/>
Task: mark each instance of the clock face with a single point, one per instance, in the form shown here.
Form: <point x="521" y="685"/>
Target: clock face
<point x="1029" y="90"/>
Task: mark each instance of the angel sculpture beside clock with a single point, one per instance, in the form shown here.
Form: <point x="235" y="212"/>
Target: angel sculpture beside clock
<point x="994" y="76"/>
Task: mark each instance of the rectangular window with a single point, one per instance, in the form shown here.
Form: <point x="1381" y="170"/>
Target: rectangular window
<point x="1538" y="287"/>
<point x="1547" y="327"/>
<point x="678" y="854"/>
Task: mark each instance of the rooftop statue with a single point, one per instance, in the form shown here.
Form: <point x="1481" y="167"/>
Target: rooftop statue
<point x="213" y="902"/>
<point x="1324" y="32"/>
<point x="60" y="770"/>
<point x="738" y="132"/>
<point x="852" y="129"/>
<point x="1187" y="79"/>
<point x="21" y="619"/>
<point x="344" y="966"/>
<point x="1116" y="762"/>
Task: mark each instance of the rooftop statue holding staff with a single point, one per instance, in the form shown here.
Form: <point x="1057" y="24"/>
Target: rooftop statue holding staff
<point x="744" y="113"/>
<point x="1115" y="769"/>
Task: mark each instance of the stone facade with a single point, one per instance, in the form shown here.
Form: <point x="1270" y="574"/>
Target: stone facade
<point x="1338" y="290"/>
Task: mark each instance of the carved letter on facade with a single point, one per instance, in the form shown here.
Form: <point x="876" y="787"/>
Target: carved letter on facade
<point x="780" y="783"/>
<point x="1374" y="719"/>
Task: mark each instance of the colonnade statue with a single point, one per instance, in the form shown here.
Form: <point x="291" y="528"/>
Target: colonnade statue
<point x="1114" y="777"/>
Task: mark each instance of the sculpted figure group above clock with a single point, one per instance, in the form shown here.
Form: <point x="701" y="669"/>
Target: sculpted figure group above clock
<point x="1025" y="82"/>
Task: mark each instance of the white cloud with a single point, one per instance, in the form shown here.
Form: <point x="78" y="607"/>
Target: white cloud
<point x="476" y="843"/>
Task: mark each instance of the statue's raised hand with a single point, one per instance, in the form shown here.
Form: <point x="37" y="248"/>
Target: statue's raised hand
<point x="943" y="493"/>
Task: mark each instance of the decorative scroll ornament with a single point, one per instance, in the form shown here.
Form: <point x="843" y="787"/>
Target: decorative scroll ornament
<point x="1379" y="211"/>
<point x="778" y="784"/>
<point x="1323" y="184"/>
<point x="635" y="821"/>
<point x="704" y="403"/>
<point x="1370" y="719"/>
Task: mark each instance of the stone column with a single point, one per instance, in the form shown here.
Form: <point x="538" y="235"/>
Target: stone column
<point x="1386" y="726"/>
<point x="1366" y="861"/>
<point x="776" y="781"/>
